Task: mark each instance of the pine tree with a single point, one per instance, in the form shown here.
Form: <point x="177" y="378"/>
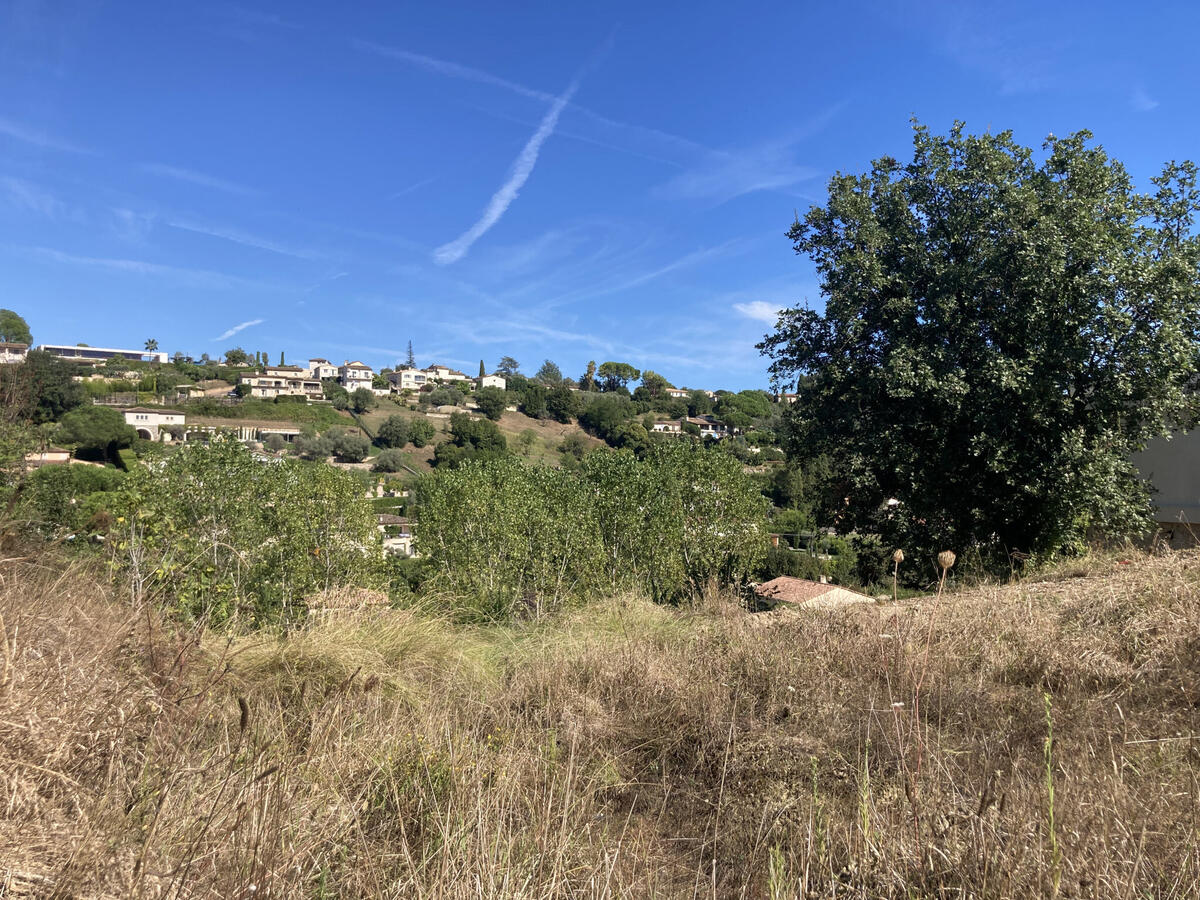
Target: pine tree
<point x="482" y="370"/>
<point x="410" y="361"/>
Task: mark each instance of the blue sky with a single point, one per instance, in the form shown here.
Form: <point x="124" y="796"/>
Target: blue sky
<point x="572" y="181"/>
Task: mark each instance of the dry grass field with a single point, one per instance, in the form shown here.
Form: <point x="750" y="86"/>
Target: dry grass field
<point x="1016" y="741"/>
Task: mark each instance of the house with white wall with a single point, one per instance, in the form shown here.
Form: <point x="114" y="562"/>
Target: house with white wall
<point x="407" y="378"/>
<point x="355" y="375"/>
<point x="150" y="423"/>
<point x="445" y="373"/>
<point x="282" y="381"/>
<point x="320" y="369"/>
<point x="491" y="381"/>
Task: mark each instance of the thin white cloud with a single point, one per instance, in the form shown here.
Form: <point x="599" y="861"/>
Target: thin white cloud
<point x="243" y="238"/>
<point x="29" y="197"/>
<point x="416" y="186"/>
<point x="696" y="257"/>
<point x="200" y="277"/>
<point x="236" y="328"/>
<point x="130" y="225"/>
<point x="200" y="178"/>
<point x="452" y="70"/>
<point x="28" y="135"/>
<point x="759" y="310"/>
<point x="503" y="198"/>
<point x="767" y="166"/>
<point x="764" y="168"/>
<point x="663" y="141"/>
<point x="1142" y="101"/>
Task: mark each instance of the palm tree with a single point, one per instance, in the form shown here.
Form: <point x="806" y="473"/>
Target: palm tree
<point x="151" y="345"/>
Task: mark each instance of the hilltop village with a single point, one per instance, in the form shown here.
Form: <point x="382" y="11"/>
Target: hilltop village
<point x="386" y="427"/>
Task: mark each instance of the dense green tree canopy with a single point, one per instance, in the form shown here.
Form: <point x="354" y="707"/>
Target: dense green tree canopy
<point x="393" y="432"/>
<point x="549" y="374"/>
<point x="219" y="535"/>
<point x="606" y="415"/>
<point x="503" y="537"/>
<point x="508" y="366"/>
<point x="350" y="446"/>
<point x="562" y="404"/>
<point x="999" y="335"/>
<point x="362" y="399"/>
<point x="655" y="385"/>
<point x="99" y="428"/>
<point x="491" y="402"/>
<point x="13" y="328"/>
<point x="391" y="460"/>
<point x="470" y="439"/>
<point x="615" y="376"/>
<point x="420" y="431"/>
<point x="41" y="388"/>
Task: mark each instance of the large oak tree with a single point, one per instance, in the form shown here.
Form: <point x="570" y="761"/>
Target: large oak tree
<point x="1001" y="332"/>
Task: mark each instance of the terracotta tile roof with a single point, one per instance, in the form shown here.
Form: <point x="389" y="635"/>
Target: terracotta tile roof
<point x="800" y="591"/>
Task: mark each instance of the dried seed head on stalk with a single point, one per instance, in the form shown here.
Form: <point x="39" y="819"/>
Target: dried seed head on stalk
<point x="946" y="559"/>
<point x="898" y="557"/>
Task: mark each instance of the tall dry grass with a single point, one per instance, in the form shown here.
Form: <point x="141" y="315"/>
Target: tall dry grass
<point x="621" y="750"/>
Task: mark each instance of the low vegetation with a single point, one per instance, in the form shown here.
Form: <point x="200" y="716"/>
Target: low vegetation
<point x="1029" y="740"/>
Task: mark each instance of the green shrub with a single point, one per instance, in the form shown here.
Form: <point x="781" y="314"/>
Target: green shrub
<point x="391" y="460"/>
<point x="219" y="535"/>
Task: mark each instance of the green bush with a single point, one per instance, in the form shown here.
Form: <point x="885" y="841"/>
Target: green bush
<point x="392" y="460"/>
<point x="393" y="432"/>
<point x="491" y="402"/>
<point x="68" y="498"/>
<point x="420" y="431"/>
<point x="503" y="537"/>
<point x="218" y="535"/>
<point x="350" y="447"/>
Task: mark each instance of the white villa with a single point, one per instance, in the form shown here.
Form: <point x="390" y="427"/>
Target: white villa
<point x="282" y="381"/>
<point x="709" y="426"/>
<point x="320" y="369"/>
<point x="95" y="355"/>
<point x="355" y="375"/>
<point x="408" y="379"/>
<point x="491" y="381"/>
<point x="445" y="373"/>
<point x="684" y="393"/>
<point x="12" y="352"/>
<point x="151" y="422"/>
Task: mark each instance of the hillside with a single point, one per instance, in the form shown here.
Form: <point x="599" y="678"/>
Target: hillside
<point x="547" y="434"/>
<point x="1011" y="741"/>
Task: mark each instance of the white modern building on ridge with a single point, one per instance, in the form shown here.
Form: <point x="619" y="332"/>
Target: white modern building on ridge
<point x="80" y="353"/>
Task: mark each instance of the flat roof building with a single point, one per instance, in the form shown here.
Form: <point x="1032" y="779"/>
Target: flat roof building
<point x="79" y="353"/>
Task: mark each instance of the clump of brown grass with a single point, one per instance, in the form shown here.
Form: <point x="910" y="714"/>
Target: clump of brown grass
<point x="623" y="749"/>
